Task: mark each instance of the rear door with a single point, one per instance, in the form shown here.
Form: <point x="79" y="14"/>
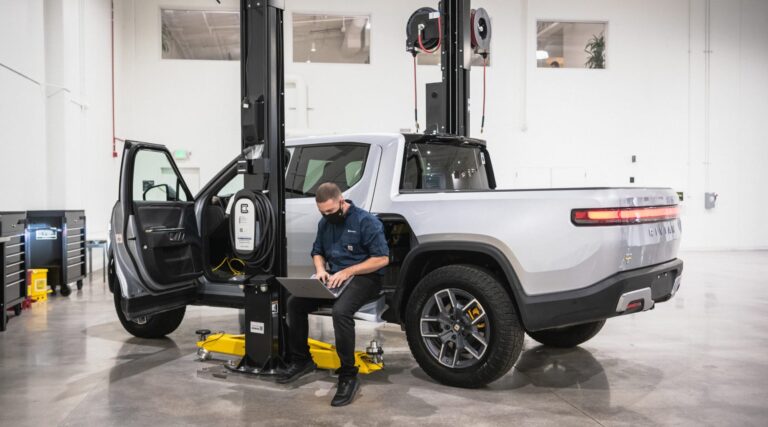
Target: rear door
<point x="157" y="246"/>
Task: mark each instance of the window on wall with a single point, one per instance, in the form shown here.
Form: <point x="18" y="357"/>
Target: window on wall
<point x="562" y="44"/>
<point x="200" y="34"/>
<point x="344" y="39"/>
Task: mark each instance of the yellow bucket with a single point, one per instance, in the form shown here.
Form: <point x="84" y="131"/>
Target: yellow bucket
<point x="38" y="284"/>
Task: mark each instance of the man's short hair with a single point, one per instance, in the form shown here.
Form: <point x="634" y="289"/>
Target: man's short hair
<point x="327" y="191"/>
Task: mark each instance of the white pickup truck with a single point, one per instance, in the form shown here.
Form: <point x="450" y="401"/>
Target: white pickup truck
<point x="472" y="268"/>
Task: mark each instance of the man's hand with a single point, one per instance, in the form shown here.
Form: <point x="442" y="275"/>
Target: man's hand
<point x="323" y="276"/>
<point x="338" y="279"/>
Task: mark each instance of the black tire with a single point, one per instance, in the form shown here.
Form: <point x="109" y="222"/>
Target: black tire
<point x="156" y="326"/>
<point x="569" y="336"/>
<point x="17" y="309"/>
<point x="506" y="333"/>
<point x="65" y="290"/>
<point x="79" y="285"/>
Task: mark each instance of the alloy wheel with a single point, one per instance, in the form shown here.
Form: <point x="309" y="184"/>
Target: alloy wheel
<point x="455" y="328"/>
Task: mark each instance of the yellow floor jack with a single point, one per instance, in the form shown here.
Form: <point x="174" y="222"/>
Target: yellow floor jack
<point x="324" y="354"/>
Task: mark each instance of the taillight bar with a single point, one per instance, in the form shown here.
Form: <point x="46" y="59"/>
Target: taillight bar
<point x="621" y="216"/>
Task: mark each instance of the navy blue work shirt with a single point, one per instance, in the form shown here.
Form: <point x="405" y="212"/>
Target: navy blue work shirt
<point x="359" y="237"/>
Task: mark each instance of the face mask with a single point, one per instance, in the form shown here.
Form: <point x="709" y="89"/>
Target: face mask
<point x="335" y="218"/>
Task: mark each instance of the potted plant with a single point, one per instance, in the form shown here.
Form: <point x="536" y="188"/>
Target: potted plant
<point x="595" y="49"/>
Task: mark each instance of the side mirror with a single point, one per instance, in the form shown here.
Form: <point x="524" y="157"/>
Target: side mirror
<point x="170" y="195"/>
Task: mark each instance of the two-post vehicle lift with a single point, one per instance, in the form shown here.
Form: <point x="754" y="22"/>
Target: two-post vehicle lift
<point x="258" y="216"/>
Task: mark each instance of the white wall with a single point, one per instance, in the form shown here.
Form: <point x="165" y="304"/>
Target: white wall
<point x="22" y="106"/>
<point x="545" y="127"/>
<point x="186" y="104"/>
<point x="55" y="108"/>
<point x="100" y="180"/>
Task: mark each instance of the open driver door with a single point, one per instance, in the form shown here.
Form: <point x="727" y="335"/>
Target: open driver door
<point x="155" y="240"/>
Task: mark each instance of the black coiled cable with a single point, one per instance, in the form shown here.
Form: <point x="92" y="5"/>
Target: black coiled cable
<point x="263" y="256"/>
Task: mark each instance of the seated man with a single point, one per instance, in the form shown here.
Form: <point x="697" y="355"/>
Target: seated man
<point x="351" y="241"/>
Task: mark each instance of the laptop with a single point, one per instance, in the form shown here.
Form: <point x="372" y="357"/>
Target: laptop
<point x="311" y="288"/>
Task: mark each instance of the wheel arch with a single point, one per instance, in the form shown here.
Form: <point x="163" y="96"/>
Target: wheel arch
<point x="427" y="257"/>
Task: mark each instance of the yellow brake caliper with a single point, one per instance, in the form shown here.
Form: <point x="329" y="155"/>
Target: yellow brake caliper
<point x="473" y="313"/>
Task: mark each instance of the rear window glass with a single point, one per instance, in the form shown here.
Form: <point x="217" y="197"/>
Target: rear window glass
<point x="444" y="167"/>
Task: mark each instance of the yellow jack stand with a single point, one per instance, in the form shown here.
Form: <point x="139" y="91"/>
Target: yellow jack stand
<point x="323" y="354"/>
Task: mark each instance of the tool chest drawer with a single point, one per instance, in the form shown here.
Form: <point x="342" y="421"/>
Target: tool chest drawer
<point x="12" y="223"/>
<point x="74" y="239"/>
<point x="13" y="260"/>
<point x="75" y="219"/>
<point x="75" y="259"/>
<point x="75" y="248"/>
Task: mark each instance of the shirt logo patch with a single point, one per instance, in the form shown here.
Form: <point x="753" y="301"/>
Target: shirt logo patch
<point x="351" y="231"/>
<point x="350" y="248"/>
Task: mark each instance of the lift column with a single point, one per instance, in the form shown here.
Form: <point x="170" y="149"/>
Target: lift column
<point x="460" y="32"/>
<point x="263" y="143"/>
<point x="456" y="63"/>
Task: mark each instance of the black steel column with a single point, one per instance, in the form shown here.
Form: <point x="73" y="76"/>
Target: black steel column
<point x="263" y="142"/>
<point x="456" y="62"/>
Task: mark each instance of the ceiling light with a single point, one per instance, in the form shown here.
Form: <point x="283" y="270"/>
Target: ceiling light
<point x="542" y="54"/>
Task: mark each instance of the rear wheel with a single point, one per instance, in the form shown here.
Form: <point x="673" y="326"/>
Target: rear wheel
<point x="569" y="336"/>
<point x="462" y="327"/>
<point x="155" y="326"/>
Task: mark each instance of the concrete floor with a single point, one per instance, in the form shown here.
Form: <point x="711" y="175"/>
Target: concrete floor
<point x="701" y="358"/>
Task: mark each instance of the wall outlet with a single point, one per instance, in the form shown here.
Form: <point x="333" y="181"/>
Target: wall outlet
<point x="710" y="199"/>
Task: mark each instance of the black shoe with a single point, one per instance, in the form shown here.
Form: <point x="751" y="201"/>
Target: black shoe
<point x="346" y="392"/>
<point x="296" y="371"/>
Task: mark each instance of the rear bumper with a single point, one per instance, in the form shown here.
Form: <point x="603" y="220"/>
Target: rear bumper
<point x="623" y="293"/>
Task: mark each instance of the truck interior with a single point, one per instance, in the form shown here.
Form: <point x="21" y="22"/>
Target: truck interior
<point x="303" y="174"/>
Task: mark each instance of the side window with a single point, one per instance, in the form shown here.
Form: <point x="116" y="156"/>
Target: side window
<point x="155" y="178"/>
<point x="343" y="164"/>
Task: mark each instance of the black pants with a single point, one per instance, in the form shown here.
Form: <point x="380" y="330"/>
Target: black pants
<point x="360" y="291"/>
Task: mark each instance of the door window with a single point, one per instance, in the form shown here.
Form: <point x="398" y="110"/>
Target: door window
<point x="156" y="179"/>
<point x="342" y="164"/>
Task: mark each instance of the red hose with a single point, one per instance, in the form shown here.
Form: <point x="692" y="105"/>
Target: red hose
<point x="482" y="122"/>
<point x="415" y="96"/>
<point x="439" y="39"/>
